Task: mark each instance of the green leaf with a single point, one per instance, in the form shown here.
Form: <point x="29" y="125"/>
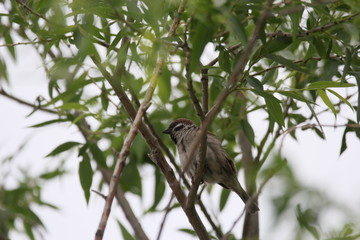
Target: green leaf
<point x="316" y="118"/>
<point x="159" y="188"/>
<point x="295" y="95"/>
<point x="115" y="41"/>
<point x="326" y="100"/>
<point x="358" y="102"/>
<point x="275" y="45"/>
<point x="62" y="148"/>
<point x="237" y="27"/>
<point x="97" y="154"/>
<point x="295" y="17"/>
<point x="275" y="111"/>
<point x="287" y="63"/>
<point x="343" y="140"/>
<point x="49" y="122"/>
<point x="224" y="60"/>
<point x="341" y="98"/>
<point x="74" y="106"/>
<point x="131" y="179"/>
<point x="248" y="130"/>
<point x="85" y="174"/>
<point x="223" y="198"/>
<point x="52" y="174"/>
<point x="346" y="64"/>
<point x="201" y="34"/>
<point x="188" y="231"/>
<point x="327" y="84"/>
<point x="273" y="106"/>
<point x="104" y="98"/>
<point x="164" y="84"/>
<point x="125" y="233"/>
<point x="320" y="47"/>
<point x="255" y="83"/>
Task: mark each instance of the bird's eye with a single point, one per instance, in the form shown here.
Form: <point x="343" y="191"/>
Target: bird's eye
<point x="178" y="128"/>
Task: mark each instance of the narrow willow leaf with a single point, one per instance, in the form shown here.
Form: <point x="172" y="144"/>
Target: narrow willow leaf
<point x="164" y="85"/>
<point x="62" y="148"/>
<point x="115" y="41"/>
<point x="343" y="140"/>
<point x="255" y="83"/>
<point x="188" y="231"/>
<point x="223" y="198"/>
<point x="316" y="118"/>
<point x="295" y="95"/>
<point x="275" y="45"/>
<point x="125" y="233"/>
<point x="97" y="154"/>
<point x="295" y="17"/>
<point x="85" y="174"/>
<point x="327" y="84"/>
<point x="320" y="47"/>
<point x="49" y="122"/>
<point x="248" y="130"/>
<point x="159" y="188"/>
<point x="275" y="111"/>
<point x="341" y="98"/>
<point x="287" y="63"/>
<point x="237" y="28"/>
<point x="326" y="100"/>
<point x="358" y="103"/>
<point x="201" y="35"/>
<point x="346" y="64"/>
<point x="273" y="106"/>
<point x="224" y="60"/>
<point x="74" y="106"/>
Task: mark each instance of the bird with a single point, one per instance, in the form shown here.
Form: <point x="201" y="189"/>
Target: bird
<point x="219" y="167"/>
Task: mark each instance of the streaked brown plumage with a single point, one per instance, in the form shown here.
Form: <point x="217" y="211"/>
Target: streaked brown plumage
<point x="219" y="167"/>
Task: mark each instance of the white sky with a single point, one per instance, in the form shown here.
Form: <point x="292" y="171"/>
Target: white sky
<point x="316" y="163"/>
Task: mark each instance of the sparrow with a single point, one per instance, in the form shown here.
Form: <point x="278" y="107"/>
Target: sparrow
<point x="219" y="167"/>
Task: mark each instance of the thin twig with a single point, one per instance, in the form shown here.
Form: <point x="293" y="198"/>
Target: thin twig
<point x="137" y="124"/>
<point x="190" y="86"/>
<point x="32" y="11"/>
<point x="99" y="193"/>
<point x="84" y="128"/>
<point x="314" y="30"/>
<point x="23" y="43"/>
<point x="233" y="79"/>
<point x="120" y="164"/>
<point x="167" y="211"/>
<point x="35" y="107"/>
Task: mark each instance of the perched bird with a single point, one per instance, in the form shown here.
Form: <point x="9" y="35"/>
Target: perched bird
<point x="219" y="167"/>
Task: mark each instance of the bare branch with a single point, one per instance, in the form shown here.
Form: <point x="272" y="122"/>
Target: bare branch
<point x="35" y="107"/>
<point x="191" y="90"/>
<point x="23" y="43"/>
<point x="157" y="157"/>
<point x="314" y="30"/>
<point x="167" y="211"/>
<point x="120" y="164"/>
<point x="32" y="11"/>
<point x="233" y="79"/>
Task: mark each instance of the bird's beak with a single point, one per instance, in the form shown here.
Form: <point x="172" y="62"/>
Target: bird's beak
<point x="166" y="131"/>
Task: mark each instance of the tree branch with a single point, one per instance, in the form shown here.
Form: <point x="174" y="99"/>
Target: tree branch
<point x="156" y="155"/>
<point x="35" y="107"/>
<point x="32" y="11"/>
<point x="233" y="79"/>
<point x="314" y="30"/>
<point x="190" y="87"/>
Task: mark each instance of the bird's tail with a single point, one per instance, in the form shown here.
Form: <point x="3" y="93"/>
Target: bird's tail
<point x="250" y="203"/>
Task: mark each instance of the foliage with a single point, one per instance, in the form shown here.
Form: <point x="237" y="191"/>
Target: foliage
<point x="99" y="57"/>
